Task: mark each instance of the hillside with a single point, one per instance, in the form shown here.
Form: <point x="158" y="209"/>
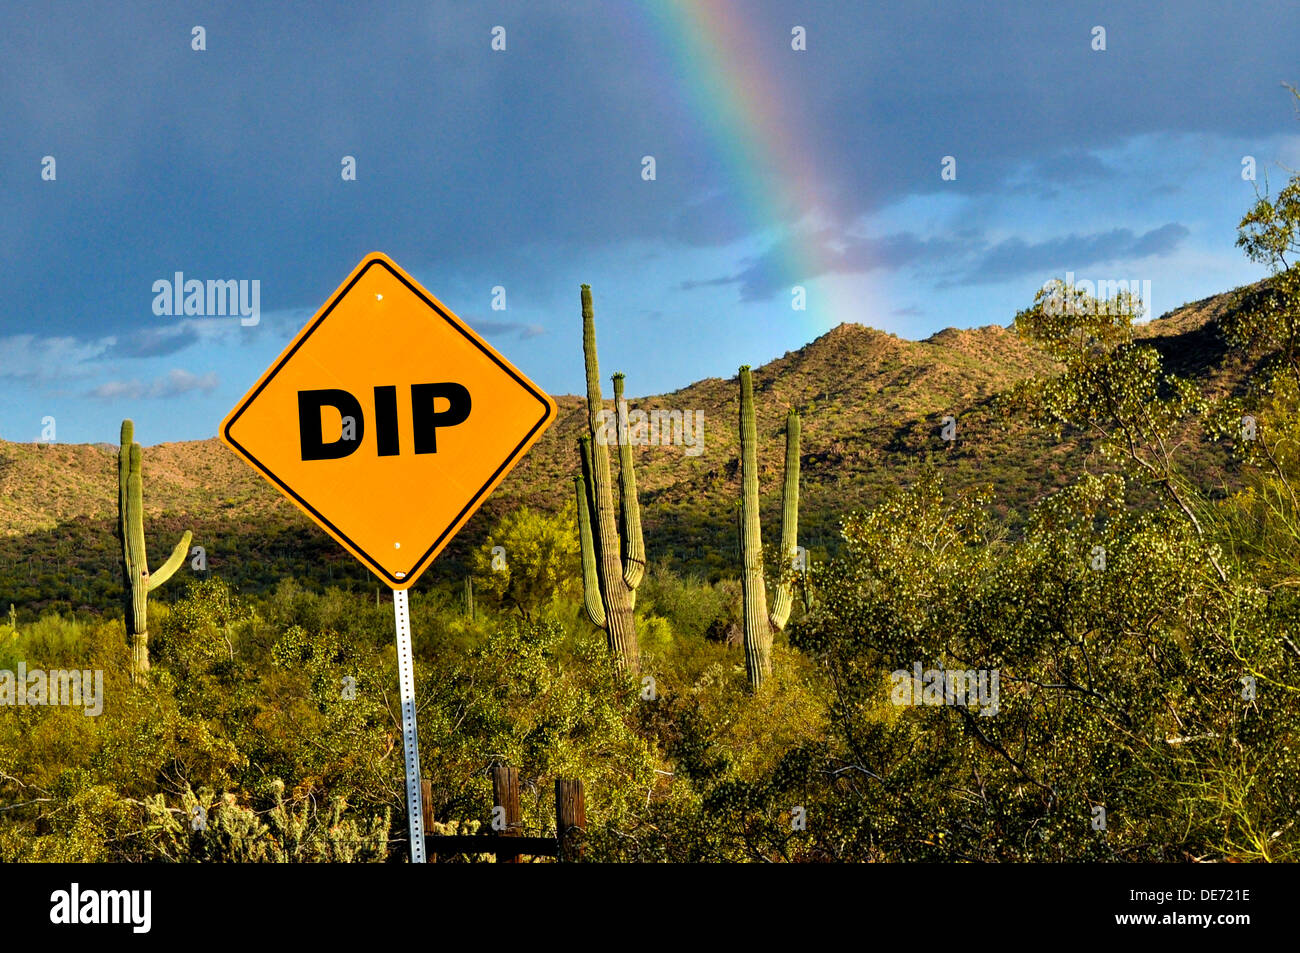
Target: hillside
<point x="871" y="405"/>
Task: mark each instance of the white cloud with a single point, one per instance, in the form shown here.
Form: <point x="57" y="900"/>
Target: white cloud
<point x="175" y="382"/>
<point x="32" y="358"/>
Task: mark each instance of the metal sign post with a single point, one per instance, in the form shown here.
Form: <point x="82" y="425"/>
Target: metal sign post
<point x="410" y="737"/>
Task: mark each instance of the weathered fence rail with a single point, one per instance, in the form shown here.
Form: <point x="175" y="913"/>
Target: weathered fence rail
<point x="509" y="843"/>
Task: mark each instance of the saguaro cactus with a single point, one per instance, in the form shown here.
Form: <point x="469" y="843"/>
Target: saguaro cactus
<point x="758" y="623"/>
<point x="784" y="597"/>
<point x="612" y="567"/>
<point x="469" y="598"/>
<point x="135" y="562"/>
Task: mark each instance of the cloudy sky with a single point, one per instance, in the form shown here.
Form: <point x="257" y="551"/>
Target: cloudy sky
<point x="525" y="169"/>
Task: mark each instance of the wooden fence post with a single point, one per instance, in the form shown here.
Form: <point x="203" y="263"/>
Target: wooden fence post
<point x="505" y="793"/>
<point x="426" y="808"/>
<point x="570" y="818"/>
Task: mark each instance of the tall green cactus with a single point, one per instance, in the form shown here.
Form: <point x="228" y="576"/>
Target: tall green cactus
<point x="612" y="565"/>
<point x="758" y="623"/>
<point x="139" y="582"/>
<point x="758" y="634"/>
<point x="592" y="601"/>
<point x="469" y="598"/>
<point x="784" y="598"/>
<point x="629" y="509"/>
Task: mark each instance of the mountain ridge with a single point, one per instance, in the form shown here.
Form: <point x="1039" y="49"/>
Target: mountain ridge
<point x="871" y="405"/>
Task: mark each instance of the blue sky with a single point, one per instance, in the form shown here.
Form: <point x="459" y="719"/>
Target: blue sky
<point x="522" y="169"/>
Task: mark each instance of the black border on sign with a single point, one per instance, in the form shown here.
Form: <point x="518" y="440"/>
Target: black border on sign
<point x="474" y="501"/>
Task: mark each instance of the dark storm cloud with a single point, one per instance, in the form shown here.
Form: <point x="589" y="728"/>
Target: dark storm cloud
<point x="225" y="164"/>
<point x="1015" y="257"/>
<point x="803" y="258"/>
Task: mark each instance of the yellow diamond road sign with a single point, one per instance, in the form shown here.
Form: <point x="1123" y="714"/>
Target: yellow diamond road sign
<point x="388" y="421"/>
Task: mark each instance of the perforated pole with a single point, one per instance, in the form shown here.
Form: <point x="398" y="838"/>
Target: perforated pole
<point x="410" y="738"/>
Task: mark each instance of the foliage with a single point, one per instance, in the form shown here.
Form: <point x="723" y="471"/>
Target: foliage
<point x="1111" y="386"/>
<point x="539" y="563"/>
<point x="205" y="829"/>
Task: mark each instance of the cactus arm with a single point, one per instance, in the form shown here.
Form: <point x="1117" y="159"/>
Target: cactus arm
<point x="783" y="600"/>
<point x="587" y="472"/>
<point x="137" y="563"/>
<point x="165" y="571"/>
<point x="591" y="600"/>
<point x="123" y="476"/>
<point x="630" y="508"/>
<point x="758" y="635"/>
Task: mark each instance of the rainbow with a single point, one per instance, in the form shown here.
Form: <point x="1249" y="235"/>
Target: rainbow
<point x="715" y="52"/>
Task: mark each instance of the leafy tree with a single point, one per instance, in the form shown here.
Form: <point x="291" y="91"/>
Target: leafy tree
<point x="530" y="560"/>
<point x="203" y="622"/>
<point x="1261" y="421"/>
<point x="1111" y="387"/>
